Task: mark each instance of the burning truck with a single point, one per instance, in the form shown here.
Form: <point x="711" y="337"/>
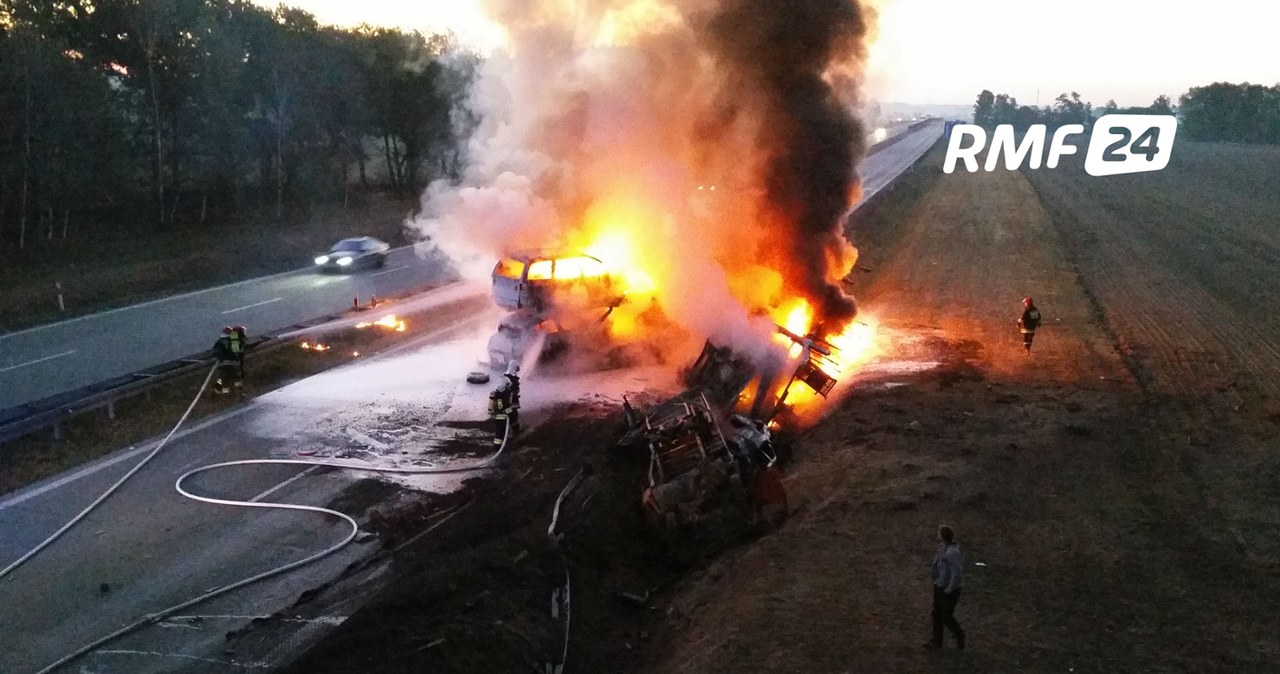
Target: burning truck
<point x="713" y="450"/>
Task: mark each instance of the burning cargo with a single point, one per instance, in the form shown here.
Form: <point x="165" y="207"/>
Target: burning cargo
<point x="712" y="456"/>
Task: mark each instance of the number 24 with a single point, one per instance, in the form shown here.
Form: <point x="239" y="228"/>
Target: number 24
<point x="1144" y="145"/>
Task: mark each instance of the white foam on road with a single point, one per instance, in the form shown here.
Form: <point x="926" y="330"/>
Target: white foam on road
<point x="416" y="409"/>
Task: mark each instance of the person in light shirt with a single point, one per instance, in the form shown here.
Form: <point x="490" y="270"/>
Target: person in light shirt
<point x="947" y="571"/>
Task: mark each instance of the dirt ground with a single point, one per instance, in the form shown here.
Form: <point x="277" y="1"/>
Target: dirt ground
<point x="1123" y="523"/>
<point x="1114" y="493"/>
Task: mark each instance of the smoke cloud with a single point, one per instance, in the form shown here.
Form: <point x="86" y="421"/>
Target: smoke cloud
<point x="705" y="149"/>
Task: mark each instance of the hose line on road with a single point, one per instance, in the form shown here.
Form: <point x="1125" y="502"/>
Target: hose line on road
<point x="351" y="535"/>
<point x="112" y="489"/>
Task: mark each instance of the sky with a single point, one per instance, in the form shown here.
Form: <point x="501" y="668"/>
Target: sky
<point x="946" y="51"/>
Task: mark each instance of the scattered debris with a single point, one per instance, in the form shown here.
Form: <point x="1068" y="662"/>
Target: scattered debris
<point x="637" y="600"/>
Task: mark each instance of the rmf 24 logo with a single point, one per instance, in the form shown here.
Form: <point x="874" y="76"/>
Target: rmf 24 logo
<point x="1118" y="144"/>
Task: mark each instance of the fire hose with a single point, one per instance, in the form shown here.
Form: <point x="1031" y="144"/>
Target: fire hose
<point x="560" y="597"/>
<point x="178" y="485"/>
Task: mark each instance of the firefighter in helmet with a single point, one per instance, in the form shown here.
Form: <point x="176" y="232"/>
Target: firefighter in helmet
<point x="1029" y="321"/>
<point x="504" y="404"/>
<point x="229" y="350"/>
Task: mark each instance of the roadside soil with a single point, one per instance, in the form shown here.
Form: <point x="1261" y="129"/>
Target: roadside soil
<point x="1110" y="523"/>
<point x="1115" y="501"/>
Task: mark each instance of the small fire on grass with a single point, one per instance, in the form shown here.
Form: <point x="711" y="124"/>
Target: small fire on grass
<point x="317" y="347"/>
<point x="388" y="322"/>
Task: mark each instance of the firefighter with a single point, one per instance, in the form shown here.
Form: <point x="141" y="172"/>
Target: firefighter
<point x="229" y="350"/>
<point x="504" y="404"/>
<point x="1029" y="322"/>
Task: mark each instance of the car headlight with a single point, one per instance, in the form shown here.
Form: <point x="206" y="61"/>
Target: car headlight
<point x="344" y="261"/>
<point x="322" y="259"/>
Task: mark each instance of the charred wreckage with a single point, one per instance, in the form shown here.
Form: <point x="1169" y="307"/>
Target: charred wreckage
<point x="714" y="449"/>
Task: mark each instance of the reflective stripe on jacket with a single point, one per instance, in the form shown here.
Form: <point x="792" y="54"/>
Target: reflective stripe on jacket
<point x="1030" y="320"/>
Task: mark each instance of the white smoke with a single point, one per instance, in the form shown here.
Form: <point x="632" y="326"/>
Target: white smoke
<point x="613" y="106"/>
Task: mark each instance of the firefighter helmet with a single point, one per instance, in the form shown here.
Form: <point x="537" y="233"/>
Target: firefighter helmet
<point x="1026" y="301"/>
<point x="227" y="329"/>
<point x="513" y="368"/>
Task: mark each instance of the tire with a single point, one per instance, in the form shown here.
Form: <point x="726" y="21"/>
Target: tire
<point x="477" y="377"/>
<point x="382" y="262"/>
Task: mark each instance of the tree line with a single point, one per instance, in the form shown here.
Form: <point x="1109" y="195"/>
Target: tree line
<point x="1244" y="113"/>
<point x="124" y="115"/>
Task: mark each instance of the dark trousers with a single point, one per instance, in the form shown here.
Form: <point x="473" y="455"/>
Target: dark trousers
<point x="944" y="609"/>
<point x="500" y="426"/>
<point x="229" y="373"/>
<point x="1026" y="339"/>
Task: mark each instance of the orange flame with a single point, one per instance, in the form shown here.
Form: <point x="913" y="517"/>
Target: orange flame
<point x="853" y="346"/>
<point x="388" y="322"/>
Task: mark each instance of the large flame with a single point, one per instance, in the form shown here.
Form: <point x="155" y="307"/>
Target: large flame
<point x="704" y="150"/>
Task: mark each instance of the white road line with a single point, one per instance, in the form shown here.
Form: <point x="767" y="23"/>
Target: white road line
<point x="131" y="307"/>
<point x="388" y="271"/>
<point x="38" y="490"/>
<point x="157" y="654"/>
<point x="322" y="620"/>
<point x="38" y="360"/>
<point x="282" y="485"/>
<point x="250" y="306"/>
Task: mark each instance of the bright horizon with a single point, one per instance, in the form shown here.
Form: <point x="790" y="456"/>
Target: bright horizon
<point x="938" y="52"/>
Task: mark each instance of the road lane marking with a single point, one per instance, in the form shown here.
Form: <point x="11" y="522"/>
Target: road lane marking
<point x="299" y="272"/>
<point x="38" y="360"/>
<point x="250" y="306"/>
<point x="111" y="461"/>
<point x="282" y="485"/>
<point x="321" y="620"/>
<point x="33" y="492"/>
<point x="388" y="271"/>
<point x="157" y="654"/>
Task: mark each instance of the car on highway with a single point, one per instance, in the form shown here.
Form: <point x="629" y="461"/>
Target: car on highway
<point x="362" y="252"/>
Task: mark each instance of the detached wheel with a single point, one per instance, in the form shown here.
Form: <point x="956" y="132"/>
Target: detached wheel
<point x="477" y="377"/>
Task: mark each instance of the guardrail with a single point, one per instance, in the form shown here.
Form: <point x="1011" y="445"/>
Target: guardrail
<point x="54" y="411"/>
<point x="870" y="200"/>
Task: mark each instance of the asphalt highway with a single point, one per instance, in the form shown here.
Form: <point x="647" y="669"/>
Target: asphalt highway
<point x="67" y="355"/>
<point x="147" y="547"/>
<point x="879" y="170"/>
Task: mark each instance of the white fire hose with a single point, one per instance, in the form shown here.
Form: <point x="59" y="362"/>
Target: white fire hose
<point x="355" y="527"/>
